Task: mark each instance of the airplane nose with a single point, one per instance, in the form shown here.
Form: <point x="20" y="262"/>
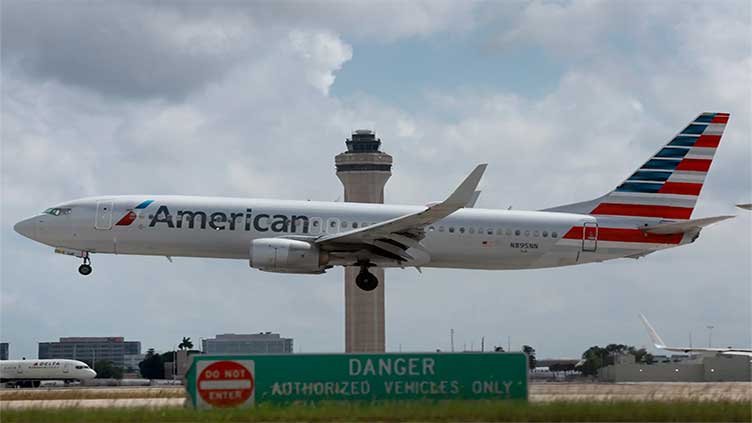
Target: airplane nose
<point x="92" y="373"/>
<point x="26" y="228"/>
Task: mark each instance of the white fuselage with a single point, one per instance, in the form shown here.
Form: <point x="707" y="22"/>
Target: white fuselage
<point x="225" y="227"/>
<point x="37" y="370"/>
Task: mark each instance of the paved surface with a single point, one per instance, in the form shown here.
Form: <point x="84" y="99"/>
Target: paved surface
<point x="89" y="397"/>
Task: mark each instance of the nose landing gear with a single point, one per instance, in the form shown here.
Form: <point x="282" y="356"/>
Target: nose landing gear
<point x="366" y="280"/>
<point x="85" y="269"/>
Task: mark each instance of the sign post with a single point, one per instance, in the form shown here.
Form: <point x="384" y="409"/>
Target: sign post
<point x="244" y="380"/>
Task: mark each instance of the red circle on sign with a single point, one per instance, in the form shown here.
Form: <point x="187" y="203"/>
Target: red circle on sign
<point x="225" y="384"/>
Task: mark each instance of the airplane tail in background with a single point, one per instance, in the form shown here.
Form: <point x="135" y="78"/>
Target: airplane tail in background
<point x="668" y="184"/>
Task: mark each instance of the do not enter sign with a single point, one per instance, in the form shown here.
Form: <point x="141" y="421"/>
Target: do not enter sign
<point x="228" y="383"/>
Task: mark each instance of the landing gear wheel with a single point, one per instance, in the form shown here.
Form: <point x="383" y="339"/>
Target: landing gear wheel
<point x="84" y="269"/>
<point x="366" y="280"/>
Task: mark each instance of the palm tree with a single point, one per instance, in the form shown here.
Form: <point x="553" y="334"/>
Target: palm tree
<point x="186" y="344"/>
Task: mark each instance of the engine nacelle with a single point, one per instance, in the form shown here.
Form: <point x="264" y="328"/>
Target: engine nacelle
<point x="286" y="256"/>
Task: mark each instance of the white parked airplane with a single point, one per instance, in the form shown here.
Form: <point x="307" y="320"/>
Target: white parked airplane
<point x="31" y="373"/>
<point x="649" y="211"/>
<point x="658" y="342"/>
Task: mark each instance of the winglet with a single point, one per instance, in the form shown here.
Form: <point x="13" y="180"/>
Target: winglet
<point x="657" y="341"/>
<point x="464" y="193"/>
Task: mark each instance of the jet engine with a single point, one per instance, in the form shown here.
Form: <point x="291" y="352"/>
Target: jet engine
<point x="287" y="256"/>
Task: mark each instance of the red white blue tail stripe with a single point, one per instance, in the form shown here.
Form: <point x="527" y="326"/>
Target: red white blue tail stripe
<point x="667" y="185"/>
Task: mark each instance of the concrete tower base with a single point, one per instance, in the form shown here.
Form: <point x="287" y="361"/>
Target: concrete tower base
<point x="364" y="314"/>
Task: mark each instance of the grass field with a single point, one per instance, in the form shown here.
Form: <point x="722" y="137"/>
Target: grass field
<point x="402" y="412"/>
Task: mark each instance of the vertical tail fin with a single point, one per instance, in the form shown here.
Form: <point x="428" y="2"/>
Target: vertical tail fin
<point x="669" y="183"/>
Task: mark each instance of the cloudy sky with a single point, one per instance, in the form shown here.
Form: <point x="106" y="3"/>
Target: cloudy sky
<point x="562" y="98"/>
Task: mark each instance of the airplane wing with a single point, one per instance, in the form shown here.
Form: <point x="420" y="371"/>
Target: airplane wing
<point x="658" y="343"/>
<point x="392" y="238"/>
<point x="745" y="206"/>
<point x="681" y="227"/>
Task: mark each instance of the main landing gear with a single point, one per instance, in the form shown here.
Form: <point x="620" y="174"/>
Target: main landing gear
<point x="365" y="279"/>
<point x="85" y="269"/>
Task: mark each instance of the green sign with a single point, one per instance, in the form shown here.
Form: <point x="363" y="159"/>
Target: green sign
<point x="242" y="380"/>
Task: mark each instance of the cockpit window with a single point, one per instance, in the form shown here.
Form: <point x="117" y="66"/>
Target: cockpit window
<point x="57" y="211"/>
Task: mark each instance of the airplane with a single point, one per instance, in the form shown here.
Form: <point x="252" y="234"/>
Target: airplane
<point x="745" y="206"/>
<point x="649" y="211"/>
<point x="31" y="373"/>
<point x="658" y="343"/>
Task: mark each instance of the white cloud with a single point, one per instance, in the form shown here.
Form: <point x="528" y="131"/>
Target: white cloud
<point x="323" y="54"/>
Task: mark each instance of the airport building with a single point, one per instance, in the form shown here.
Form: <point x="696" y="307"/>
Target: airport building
<point x="92" y="349"/>
<point x="715" y="368"/>
<point x="258" y="343"/>
<point x="364" y="170"/>
<point x="4" y="350"/>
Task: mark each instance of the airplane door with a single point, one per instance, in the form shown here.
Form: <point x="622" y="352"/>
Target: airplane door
<point x="589" y="236"/>
<point x="104" y="215"/>
<point x="66" y="367"/>
<point x="19" y="369"/>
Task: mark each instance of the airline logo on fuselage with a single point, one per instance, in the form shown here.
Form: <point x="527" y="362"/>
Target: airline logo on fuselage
<point x="218" y="221"/>
<point x="130" y="217"/>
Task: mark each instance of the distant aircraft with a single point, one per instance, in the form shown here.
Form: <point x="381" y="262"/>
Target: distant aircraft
<point x="651" y="210"/>
<point x="745" y="206"/>
<point x="31" y="373"/>
<point x="658" y="342"/>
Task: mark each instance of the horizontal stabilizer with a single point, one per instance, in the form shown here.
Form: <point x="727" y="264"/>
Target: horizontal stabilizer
<point x="681" y="227"/>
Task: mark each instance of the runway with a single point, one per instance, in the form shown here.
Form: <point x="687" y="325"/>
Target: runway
<point x="159" y="397"/>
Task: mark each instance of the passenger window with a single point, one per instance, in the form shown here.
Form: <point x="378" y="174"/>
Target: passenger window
<point x="472" y="230"/>
<point x="451" y="229"/>
<point x="431" y="228"/>
<point x="527" y="232"/>
<point x="545" y="234"/>
<point x="554" y="235"/>
<point x="441" y="229"/>
<point x="536" y="233"/>
<point x="462" y="229"/>
<point x="344" y="225"/>
<point x="517" y="232"/>
<point x="489" y="231"/>
<point x="355" y="225"/>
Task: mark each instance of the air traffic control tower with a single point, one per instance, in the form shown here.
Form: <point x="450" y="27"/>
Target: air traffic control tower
<point x="364" y="170"/>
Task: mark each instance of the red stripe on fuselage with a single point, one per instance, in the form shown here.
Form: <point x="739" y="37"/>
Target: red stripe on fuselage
<point x="708" y="141"/>
<point x="680" y="188"/>
<point x="643" y="210"/>
<point x="127" y="219"/>
<point x="697" y="165"/>
<point x="626" y="235"/>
